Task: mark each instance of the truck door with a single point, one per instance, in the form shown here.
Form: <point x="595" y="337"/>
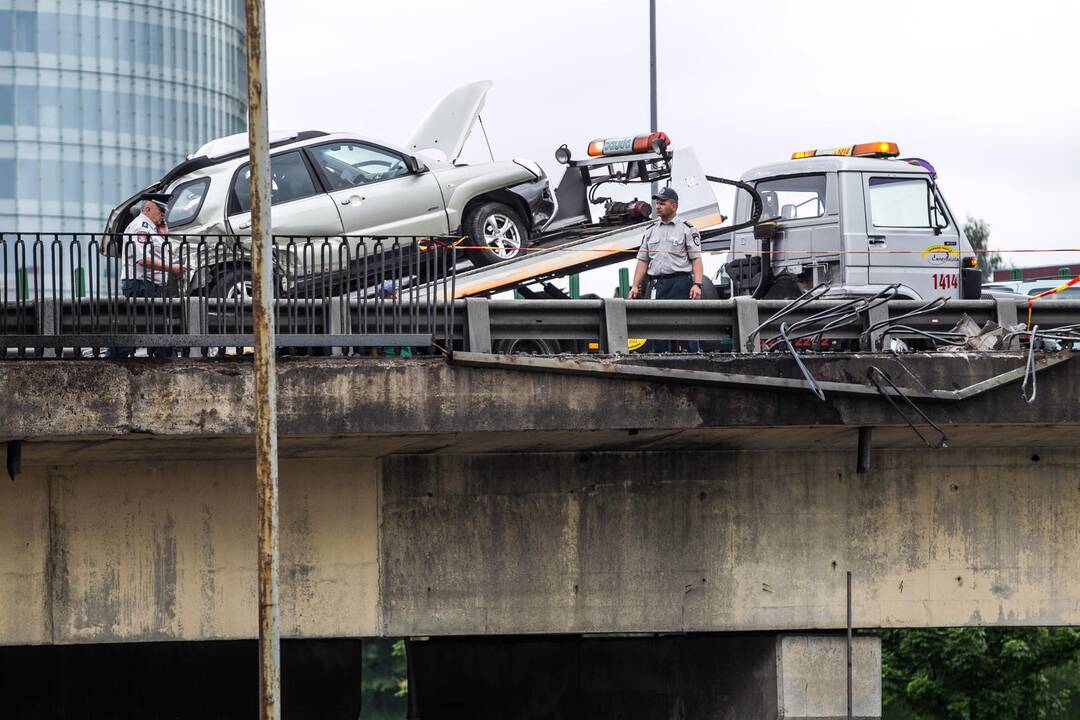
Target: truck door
<point x="909" y="236"/>
<point x="805" y="208"/>
<point x="376" y="193"/>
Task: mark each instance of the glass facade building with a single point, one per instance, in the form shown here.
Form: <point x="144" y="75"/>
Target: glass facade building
<point x="99" y="98"/>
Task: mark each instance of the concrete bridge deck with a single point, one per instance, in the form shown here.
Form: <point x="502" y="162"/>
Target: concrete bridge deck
<point x="377" y="407"/>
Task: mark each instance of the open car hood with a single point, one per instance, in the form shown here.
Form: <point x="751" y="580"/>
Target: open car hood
<point x="447" y="125"/>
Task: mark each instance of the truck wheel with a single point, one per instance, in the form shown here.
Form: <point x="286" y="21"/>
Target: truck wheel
<point x="496" y="233"/>
<point x="523" y="346"/>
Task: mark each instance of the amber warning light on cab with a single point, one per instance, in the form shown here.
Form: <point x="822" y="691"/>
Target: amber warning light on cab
<point x="873" y="149"/>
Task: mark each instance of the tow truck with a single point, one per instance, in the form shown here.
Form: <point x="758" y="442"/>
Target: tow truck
<point x="855" y="220"/>
<point x="858" y="218"/>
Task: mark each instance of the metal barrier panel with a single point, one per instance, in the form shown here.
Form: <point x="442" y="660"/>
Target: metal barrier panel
<point x="94" y="295"/>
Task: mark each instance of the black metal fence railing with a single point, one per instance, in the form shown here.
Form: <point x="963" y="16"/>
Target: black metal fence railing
<point x="93" y="295"/>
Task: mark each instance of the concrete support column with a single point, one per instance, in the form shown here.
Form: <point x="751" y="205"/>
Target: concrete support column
<point x="811" y="677"/>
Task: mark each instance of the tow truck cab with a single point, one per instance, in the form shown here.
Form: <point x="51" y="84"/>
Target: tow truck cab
<point x="856" y="217"/>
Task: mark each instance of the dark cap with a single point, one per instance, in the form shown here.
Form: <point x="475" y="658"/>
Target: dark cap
<point x="666" y="194"/>
<point x="160" y="199"/>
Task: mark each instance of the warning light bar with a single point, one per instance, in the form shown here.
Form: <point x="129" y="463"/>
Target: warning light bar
<point x="874" y="149"/>
<point x="656" y="142"/>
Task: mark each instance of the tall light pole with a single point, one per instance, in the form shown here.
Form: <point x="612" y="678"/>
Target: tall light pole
<point x="653" y="122"/>
<point x="262" y="313"/>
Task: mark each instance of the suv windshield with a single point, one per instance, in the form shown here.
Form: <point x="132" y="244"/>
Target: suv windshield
<point x="186" y="201"/>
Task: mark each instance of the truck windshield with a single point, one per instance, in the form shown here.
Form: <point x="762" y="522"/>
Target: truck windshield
<point x="792" y="198"/>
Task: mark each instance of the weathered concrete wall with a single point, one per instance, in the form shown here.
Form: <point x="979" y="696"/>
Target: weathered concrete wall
<point x="544" y="543"/>
<point x="678" y="542"/>
<point x="104" y="552"/>
<point x="387" y="397"/>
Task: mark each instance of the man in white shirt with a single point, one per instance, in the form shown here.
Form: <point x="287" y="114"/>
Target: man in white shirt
<point x="151" y="267"/>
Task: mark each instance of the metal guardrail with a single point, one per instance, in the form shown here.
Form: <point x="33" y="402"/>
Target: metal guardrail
<point x="71" y="295"/>
<point x="741" y="325"/>
<point x="87" y="295"/>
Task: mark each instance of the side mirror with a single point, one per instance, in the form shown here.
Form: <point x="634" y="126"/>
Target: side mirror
<point x="415" y="164"/>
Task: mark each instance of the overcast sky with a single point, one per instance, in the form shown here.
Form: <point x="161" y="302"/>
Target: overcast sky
<point x="987" y="91"/>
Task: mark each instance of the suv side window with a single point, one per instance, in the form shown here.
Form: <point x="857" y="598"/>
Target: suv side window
<point x="900" y="202"/>
<point x="290" y="180"/>
<point x="346" y="165"/>
<point x="792" y="198"/>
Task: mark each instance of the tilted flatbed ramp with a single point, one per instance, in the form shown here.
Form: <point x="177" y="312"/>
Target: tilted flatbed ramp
<point x="570" y="251"/>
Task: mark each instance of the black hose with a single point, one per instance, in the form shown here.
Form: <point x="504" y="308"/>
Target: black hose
<point x="756" y="208"/>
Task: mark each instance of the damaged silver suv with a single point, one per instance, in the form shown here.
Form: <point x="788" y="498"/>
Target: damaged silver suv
<point x="335" y="185"/>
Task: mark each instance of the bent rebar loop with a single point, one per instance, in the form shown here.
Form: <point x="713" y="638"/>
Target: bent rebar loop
<point x="873" y="374"/>
<point x="814" y="387"/>
<point x="836" y="317"/>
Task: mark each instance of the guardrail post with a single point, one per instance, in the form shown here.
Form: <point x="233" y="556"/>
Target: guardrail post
<point x="746" y="319"/>
<point x="1006" y="312"/>
<point x="477" y="325"/>
<point x="46" y="322"/>
<point x="877" y="313"/>
<point x="194" y="323"/>
<point x="334" y="326"/>
<point x="615" y="339"/>
<point x="1007" y="316"/>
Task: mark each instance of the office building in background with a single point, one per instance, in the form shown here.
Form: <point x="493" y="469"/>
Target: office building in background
<point x="98" y="98"/>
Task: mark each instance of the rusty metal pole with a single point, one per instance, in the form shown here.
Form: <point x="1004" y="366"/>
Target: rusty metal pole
<point x="266" y="470"/>
<point x="653" y="120"/>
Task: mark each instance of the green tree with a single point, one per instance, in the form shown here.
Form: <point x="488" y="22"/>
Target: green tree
<point x="977" y="232"/>
<point x="979" y="673"/>
<point x="384" y="683"/>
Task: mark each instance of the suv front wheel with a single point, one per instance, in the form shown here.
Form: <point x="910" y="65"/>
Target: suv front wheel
<point x="496" y="233"/>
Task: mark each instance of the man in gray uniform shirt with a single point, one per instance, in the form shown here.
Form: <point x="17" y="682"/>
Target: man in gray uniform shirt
<point x="670" y="254"/>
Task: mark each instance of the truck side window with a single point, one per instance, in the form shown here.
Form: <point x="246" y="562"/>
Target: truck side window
<point x="792" y="198"/>
<point x="900" y="202"/>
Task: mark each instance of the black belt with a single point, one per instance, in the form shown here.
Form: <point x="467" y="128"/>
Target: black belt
<point x="670" y="275"/>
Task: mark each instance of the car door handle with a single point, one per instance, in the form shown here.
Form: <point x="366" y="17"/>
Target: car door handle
<point x="876" y="239"/>
<point x="349" y="200"/>
<point x="244" y="225"/>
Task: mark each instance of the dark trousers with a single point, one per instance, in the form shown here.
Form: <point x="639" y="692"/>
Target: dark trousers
<point x="139" y="288"/>
<point x="673" y="287"/>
